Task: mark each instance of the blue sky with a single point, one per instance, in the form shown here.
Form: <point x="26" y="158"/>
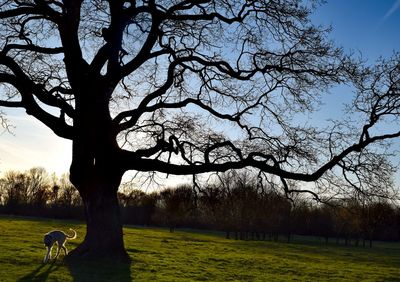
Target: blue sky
<point x="371" y="27"/>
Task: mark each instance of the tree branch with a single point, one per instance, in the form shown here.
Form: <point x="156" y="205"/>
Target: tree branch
<point x="28" y="89"/>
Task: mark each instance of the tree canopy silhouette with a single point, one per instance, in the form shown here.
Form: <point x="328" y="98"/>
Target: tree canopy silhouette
<point x="186" y="87"/>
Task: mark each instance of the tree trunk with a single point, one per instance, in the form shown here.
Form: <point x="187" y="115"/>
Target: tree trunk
<point x="95" y="172"/>
<point x="104" y="236"/>
<point x="227" y="235"/>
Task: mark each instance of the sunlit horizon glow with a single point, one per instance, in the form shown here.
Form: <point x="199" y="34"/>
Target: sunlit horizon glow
<point x="32" y="144"/>
<point x="366" y="26"/>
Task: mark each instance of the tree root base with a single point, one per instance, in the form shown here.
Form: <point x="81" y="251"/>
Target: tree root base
<point x="86" y="253"/>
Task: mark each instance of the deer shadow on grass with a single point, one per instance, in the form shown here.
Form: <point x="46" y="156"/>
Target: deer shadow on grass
<point x="41" y="273"/>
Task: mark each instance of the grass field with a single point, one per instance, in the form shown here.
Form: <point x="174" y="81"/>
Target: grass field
<point x="186" y="256"/>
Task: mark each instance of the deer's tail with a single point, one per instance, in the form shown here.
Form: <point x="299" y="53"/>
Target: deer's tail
<point x="73" y="236"/>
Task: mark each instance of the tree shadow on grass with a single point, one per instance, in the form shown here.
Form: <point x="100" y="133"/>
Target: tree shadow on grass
<point x="38" y="275"/>
<point x="99" y="270"/>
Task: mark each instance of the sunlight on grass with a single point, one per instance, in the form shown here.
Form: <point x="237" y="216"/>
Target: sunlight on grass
<point x="186" y="256"/>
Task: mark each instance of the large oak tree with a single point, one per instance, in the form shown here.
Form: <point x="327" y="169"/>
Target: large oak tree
<point x="186" y="87"/>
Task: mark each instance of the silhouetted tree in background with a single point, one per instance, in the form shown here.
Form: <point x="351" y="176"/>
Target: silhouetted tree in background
<point x="65" y="194"/>
<point x="139" y="206"/>
<point x="35" y="192"/>
<point x="145" y="85"/>
<point x="31" y="187"/>
<point x="236" y="204"/>
<point x="175" y="206"/>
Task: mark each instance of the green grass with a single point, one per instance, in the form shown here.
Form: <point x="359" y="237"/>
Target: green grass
<point x="187" y="255"/>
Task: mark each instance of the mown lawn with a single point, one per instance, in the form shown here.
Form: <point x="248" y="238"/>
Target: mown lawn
<point x="187" y="256"/>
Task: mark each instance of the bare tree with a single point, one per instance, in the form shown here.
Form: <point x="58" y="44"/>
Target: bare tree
<point x="38" y="183"/>
<point x="144" y="85"/>
<point x="175" y="206"/>
<point x="15" y="189"/>
<point x="65" y="194"/>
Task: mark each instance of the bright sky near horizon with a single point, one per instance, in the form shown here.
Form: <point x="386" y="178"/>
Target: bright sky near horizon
<point x="368" y="26"/>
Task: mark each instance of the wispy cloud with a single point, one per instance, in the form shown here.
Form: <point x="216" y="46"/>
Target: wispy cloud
<point x="392" y="10"/>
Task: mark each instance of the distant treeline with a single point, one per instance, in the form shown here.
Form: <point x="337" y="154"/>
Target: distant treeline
<point x="236" y="205"/>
